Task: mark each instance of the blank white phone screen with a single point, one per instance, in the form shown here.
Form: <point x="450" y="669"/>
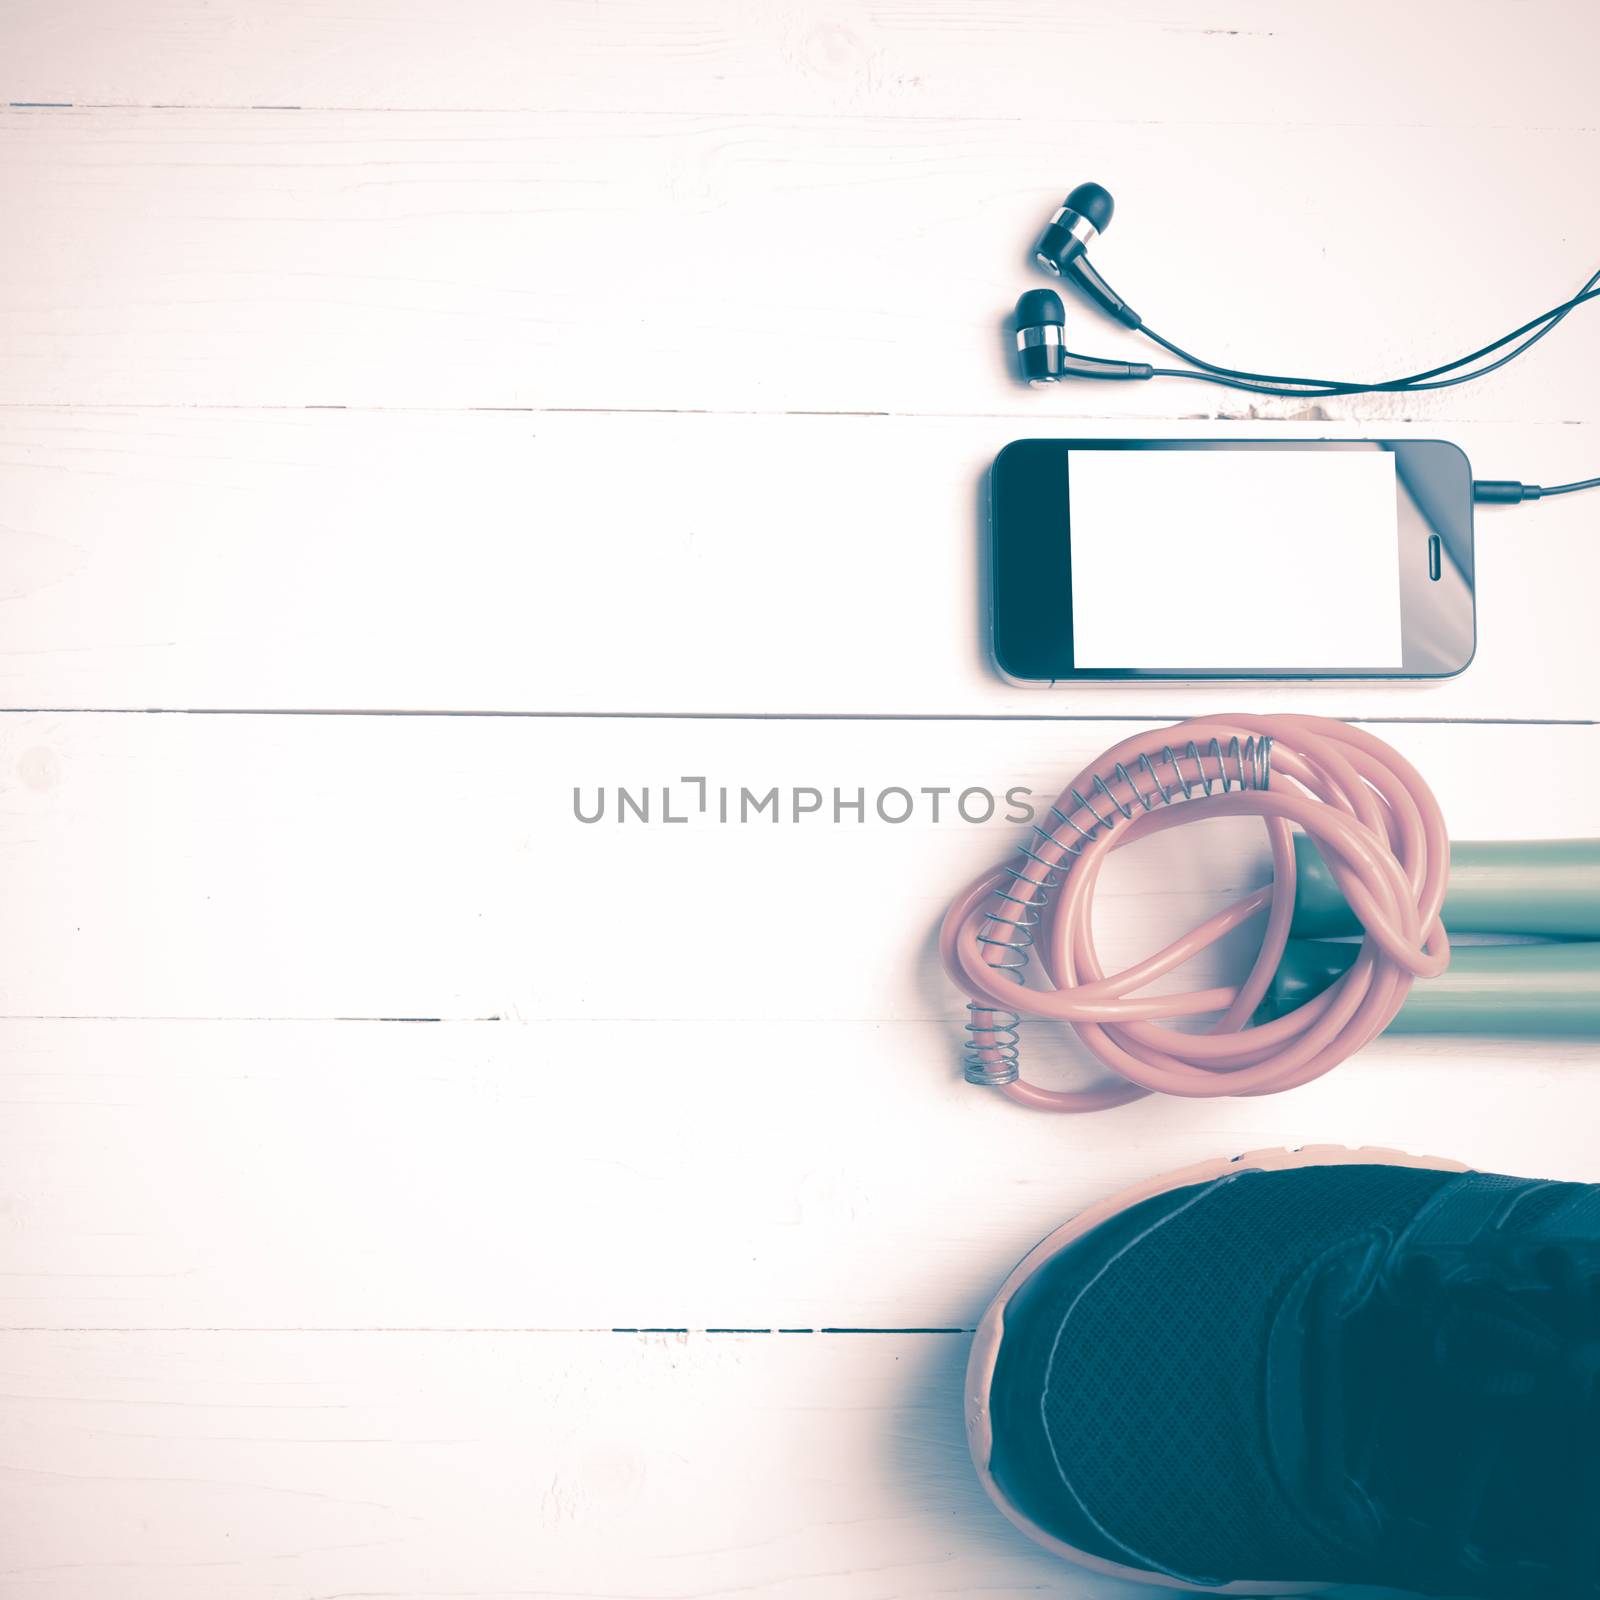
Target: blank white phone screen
<point x="1285" y="560"/>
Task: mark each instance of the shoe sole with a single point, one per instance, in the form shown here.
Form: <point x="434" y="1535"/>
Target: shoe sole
<point x="986" y="1342"/>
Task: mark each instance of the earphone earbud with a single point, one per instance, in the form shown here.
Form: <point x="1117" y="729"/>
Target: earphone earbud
<point x="1041" y="333"/>
<point x="1080" y="219"/>
<point x="1042" y="353"/>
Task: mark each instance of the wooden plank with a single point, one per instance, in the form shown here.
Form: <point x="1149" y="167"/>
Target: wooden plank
<point x="195" y="1466"/>
<point x="327" y="867"/>
<point x="720" y="1086"/>
<point x="1250" y="59"/>
<point x="766" y="262"/>
<point x="750" y="1174"/>
<point x="268" y="559"/>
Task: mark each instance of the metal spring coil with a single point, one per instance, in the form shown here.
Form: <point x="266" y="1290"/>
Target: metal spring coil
<point x="992" y="1054"/>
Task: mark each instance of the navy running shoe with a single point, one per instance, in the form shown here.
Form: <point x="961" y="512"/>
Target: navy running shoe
<point x="1308" y="1368"/>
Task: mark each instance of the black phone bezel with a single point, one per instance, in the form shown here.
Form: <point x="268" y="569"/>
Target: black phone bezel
<point x="1030" y="555"/>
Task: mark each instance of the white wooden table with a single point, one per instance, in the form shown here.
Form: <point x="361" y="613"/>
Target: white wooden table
<point x="412" y="1191"/>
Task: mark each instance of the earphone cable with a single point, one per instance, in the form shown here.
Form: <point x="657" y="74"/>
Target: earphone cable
<point x="1416" y="382"/>
<point x="1509" y="492"/>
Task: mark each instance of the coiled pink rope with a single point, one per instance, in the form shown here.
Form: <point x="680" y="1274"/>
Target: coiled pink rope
<point x="1378" y="827"/>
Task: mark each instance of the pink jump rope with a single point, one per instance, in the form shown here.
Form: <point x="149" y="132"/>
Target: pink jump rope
<point x="1377" y="825"/>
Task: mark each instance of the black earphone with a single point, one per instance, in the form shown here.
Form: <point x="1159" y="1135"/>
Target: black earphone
<point x="1063" y="248"/>
<point x="1041" y="345"/>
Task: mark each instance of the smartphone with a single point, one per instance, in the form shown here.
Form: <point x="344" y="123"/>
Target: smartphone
<point x="1202" y="558"/>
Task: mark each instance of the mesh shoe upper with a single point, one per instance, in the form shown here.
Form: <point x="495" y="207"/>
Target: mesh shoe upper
<point x="1243" y="1380"/>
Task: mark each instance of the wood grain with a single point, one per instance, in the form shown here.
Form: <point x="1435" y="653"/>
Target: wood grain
<point x="408" y="561"/>
<point x="1275" y="63"/>
<point x="770" y="263"/>
<point x="497" y="1466"/>
<point x="370" y="867"/>
<point x="648" y="1174"/>
<point x="689" y="1075"/>
<point x="577" y="358"/>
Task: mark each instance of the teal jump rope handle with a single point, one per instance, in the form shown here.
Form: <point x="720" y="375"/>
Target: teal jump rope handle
<point x="1549" y="887"/>
<point x="1526" y="990"/>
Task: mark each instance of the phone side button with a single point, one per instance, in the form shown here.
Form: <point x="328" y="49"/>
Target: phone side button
<point x="1435" y="557"/>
